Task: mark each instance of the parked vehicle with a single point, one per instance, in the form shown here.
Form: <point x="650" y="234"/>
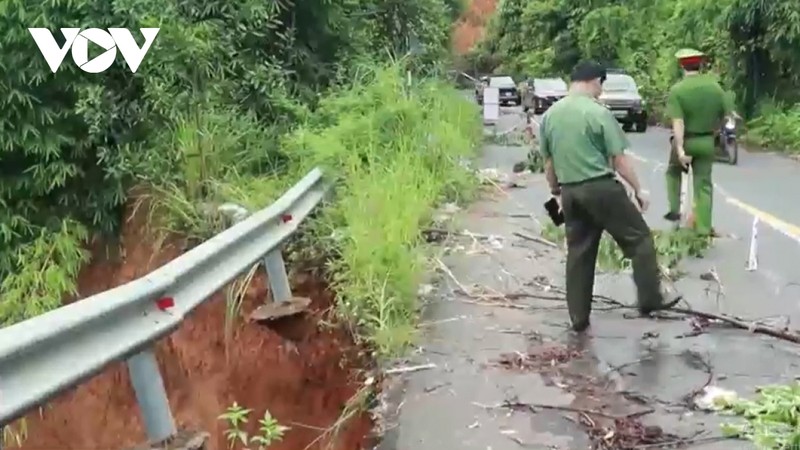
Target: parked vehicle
<point x="540" y="93"/>
<point x="727" y="145"/>
<point x="621" y="96"/>
<point x="507" y="89"/>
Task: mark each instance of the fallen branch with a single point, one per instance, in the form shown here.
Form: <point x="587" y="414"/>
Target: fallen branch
<point x="538" y="240"/>
<point x="495" y="304"/>
<point x="739" y="323"/>
<point x="450" y="274"/>
<point x="460" y="233"/>
<point x="532" y="408"/>
<point x="689" y="398"/>
<point x="408" y="369"/>
<point x="513" y="296"/>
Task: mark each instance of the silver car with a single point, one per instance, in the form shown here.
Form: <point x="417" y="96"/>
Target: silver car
<point x="621" y="96"/>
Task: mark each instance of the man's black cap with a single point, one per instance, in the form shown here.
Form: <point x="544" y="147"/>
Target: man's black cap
<point x="588" y="71"/>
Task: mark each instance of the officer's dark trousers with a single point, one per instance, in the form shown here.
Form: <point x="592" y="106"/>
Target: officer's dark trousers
<point x="590" y="207"/>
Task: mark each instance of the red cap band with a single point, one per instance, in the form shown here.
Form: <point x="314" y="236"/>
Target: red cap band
<point x="691" y="60"/>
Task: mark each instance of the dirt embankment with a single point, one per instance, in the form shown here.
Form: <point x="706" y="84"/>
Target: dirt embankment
<point x="300" y="370"/>
<point x="470" y="27"/>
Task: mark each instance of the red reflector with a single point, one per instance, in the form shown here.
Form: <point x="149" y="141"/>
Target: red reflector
<point x="286" y="218"/>
<point x="165" y="303"/>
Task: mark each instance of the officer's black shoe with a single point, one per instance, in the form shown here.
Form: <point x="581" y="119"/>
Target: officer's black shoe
<point x="662" y="307"/>
<point x="580" y="327"/>
<point x="672" y="216"/>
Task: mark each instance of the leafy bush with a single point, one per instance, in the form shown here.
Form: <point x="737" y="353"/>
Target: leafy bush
<point x="776" y="128"/>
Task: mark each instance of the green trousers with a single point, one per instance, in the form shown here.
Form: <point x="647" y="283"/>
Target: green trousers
<point x="594" y="206"/>
<point x="701" y="149"/>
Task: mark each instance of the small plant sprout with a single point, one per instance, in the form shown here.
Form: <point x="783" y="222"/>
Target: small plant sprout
<point x="236" y="416"/>
<point x="270" y="431"/>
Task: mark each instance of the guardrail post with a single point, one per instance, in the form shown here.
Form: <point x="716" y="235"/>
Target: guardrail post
<point x="278" y="279"/>
<point x="151" y="395"/>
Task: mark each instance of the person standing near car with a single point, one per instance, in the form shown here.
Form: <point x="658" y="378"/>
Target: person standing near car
<point x="584" y="146"/>
<point x="697" y="106"/>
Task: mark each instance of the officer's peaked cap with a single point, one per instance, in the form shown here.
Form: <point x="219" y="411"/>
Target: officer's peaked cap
<point x="687" y="53"/>
<point x="588" y="71"/>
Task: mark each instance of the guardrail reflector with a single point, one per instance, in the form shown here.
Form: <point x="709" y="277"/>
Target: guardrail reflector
<point x="165" y="303"/>
<point x="286" y="218"/>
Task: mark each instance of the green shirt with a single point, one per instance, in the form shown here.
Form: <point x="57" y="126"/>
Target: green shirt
<point x="700" y="101"/>
<point x="581" y="136"/>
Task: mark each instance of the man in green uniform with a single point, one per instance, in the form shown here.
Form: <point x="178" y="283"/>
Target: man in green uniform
<point x="583" y="146"/>
<point x="697" y="106"/>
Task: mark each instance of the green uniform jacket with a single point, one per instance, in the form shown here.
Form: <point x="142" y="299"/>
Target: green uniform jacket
<point x="581" y="136"/>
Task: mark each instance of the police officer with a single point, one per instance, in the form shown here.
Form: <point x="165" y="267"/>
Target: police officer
<point x="583" y="146"/>
<point x="697" y="106"/>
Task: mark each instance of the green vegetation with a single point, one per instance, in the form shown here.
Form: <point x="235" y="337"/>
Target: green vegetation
<point x="234" y="102"/>
<point x="671" y="247"/>
<point x="771" y="420"/>
<point x="753" y="46"/>
<point x="269" y="430"/>
<point x="396" y="150"/>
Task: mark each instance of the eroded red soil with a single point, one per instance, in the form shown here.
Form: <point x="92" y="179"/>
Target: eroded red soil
<point x="470" y="27"/>
<point x="300" y="370"/>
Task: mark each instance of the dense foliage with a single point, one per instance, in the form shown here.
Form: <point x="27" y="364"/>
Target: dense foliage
<point x="223" y="82"/>
<point x="753" y="46"/>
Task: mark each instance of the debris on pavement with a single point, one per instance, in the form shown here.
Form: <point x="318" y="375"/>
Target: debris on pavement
<point x="425" y="289"/>
<point x="715" y="398"/>
<point x="737" y="322"/>
<point x="536" y="239"/>
<point x="409" y="369"/>
<point x="445" y="213"/>
<point x="538" y="358"/>
<point x="627" y="434"/>
<point x="494" y="177"/>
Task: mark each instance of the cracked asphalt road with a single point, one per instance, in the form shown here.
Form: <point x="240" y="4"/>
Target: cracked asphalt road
<point x="626" y="365"/>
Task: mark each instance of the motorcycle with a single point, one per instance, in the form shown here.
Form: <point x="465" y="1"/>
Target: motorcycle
<point x="727" y="146"/>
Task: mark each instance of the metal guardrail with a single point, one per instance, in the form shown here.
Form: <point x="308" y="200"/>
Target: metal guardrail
<point x="46" y="355"/>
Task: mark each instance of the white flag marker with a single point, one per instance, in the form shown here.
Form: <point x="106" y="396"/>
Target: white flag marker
<point x="752" y="257"/>
<point x="686" y="196"/>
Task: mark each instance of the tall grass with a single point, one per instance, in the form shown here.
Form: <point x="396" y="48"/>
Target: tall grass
<point x="395" y="150"/>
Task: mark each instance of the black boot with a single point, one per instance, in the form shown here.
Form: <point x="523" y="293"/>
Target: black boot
<point x="667" y="304"/>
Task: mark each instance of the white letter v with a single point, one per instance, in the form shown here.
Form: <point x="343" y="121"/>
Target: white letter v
<point x="52" y="53"/>
<point x="131" y="52"/>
